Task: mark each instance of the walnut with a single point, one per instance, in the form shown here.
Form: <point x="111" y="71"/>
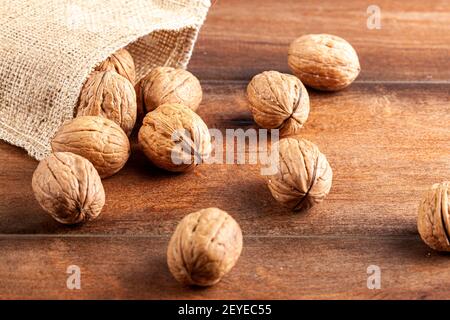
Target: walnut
<point x="323" y="61"/>
<point x="205" y="246"/>
<point x="278" y="101"/>
<point x="69" y="188"/>
<point x="433" y="221"/>
<point x="169" y="85"/>
<point x="304" y="175"/>
<point x="121" y="62"/>
<point x="174" y="138"/>
<point x="99" y="140"/>
<point x="111" y="96"/>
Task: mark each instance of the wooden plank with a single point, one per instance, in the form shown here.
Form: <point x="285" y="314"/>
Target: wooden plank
<point x="386" y="138"/>
<point x="269" y="268"/>
<point x="386" y="144"/>
<point x="242" y="38"/>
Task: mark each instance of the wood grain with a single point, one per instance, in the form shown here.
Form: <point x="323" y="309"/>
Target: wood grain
<point x="386" y="137"/>
<point x="242" y="38"/>
<point x="385" y="143"/>
<point x="269" y="268"/>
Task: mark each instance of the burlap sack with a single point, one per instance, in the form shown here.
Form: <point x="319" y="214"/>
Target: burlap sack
<point x="49" y="47"/>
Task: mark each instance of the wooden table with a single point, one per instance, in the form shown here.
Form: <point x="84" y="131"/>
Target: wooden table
<point x="386" y="136"/>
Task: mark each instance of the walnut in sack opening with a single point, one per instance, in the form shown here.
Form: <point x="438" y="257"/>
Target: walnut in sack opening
<point x="111" y="96"/>
<point x="121" y="62"/>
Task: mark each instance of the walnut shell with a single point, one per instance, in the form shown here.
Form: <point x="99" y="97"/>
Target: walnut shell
<point x="69" y="188"/>
<point x="278" y="101"/>
<point x="304" y="175"/>
<point x="433" y="220"/>
<point x="169" y="85"/>
<point x="205" y="246"/>
<point x="99" y="140"/>
<point x="323" y="61"/>
<point x="109" y="95"/>
<point x="121" y="62"/>
<point x="174" y="138"/>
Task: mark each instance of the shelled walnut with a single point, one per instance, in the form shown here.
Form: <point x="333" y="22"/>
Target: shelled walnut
<point x="433" y="220"/>
<point x="174" y="138"/>
<point x="69" y="188"/>
<point x="323" y="61"/>
<point x="205" y="246"/>
<point x="121" y="62"/>
<point x="303" y="176"/>
<point x="169" y="85"/>
<point x="99" y="140"/>
<point x="278" y="101"/>
<point x="108" y="94"/>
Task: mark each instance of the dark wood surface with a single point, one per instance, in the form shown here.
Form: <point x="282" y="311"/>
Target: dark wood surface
<point x="386" y="137"/>
<point x="269" y="268"/>
<point x="242" y="38"/>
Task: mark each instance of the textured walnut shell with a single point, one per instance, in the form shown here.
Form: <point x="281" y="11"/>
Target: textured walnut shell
<point x="323" y="61"/>
<point x="433" y="221"/>
<point x="109" y="95"/>
<point x="169" y="85"/>
<point x="173" y="131"/>
<point x="304" y="175"/>
<point x="121" y="62"/>
<point x="99" y="140"/>
<point x="205" y="246"/>
<point x="278" y="101"/>
<point x="69" y="188"/>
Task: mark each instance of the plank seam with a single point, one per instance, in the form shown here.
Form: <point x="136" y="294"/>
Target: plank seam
<point x="386" y="82"/>
<point x="144" y="236"/>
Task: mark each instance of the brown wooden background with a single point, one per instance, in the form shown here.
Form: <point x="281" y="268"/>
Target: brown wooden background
<point x="386" y="137"/>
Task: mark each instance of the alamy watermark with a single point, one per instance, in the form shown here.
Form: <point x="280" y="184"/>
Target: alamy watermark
<point x="74" y="279"/>
<point x="374" y="19"/>
<point x="374" y="277"/>
<point x="235" y="147"/>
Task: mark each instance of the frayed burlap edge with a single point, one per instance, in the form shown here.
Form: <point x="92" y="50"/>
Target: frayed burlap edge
<point x="186" y="33"/>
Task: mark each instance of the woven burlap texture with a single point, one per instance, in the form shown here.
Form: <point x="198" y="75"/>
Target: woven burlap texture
<point x="48" y="48"/>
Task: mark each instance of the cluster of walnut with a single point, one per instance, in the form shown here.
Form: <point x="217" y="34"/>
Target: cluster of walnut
<point x="93" y="145"/>
<point x="172" y="135"/>
<point x="206" y="244"/>
<point x="281" y="101"/>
